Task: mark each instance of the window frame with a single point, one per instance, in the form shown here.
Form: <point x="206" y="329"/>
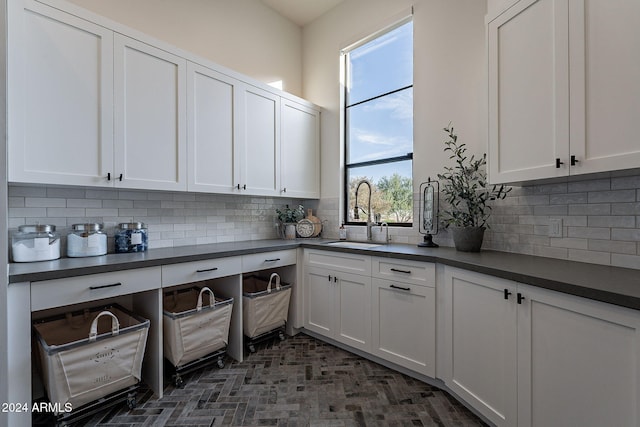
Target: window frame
<point x="346" y="167"/>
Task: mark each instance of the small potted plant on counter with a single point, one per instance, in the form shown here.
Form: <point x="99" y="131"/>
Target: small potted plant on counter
<point x="287" y="219"/>
<point x="467" y="193"/>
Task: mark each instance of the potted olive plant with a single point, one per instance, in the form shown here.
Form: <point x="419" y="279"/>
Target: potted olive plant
<point x="466" y="192"/>
<point x="287" y="219"/>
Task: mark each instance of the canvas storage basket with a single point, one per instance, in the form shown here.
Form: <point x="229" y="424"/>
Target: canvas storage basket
<point x="195" y="324"/>
<point x="265" y="304"/>
<point x="89" y="354"/>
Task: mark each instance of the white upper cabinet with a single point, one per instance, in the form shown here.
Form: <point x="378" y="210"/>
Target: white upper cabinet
<point x="60" y="97"/>
<point x="259" y="133"/>
<point x="604" y="66"/>
<point x="150" y="118"/>
<point x="528" y="91"/>
<point x="300" y="138"/>
<point x="562" y="101"/>
<point x="213" y="153"/>
<point x="89" y="105"/>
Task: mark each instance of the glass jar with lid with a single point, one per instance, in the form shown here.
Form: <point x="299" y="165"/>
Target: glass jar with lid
<point x="131" y="237"/>
<point x="38" y="242"/>
<point x="86" y="240"/>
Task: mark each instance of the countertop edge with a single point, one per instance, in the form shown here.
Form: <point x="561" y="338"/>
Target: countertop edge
<point x="570" y="277"/>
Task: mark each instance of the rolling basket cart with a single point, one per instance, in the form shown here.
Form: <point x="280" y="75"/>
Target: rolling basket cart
<point x="196" y="330"/>
<point x="86" y="366"/>
<point x="264" y="308"/>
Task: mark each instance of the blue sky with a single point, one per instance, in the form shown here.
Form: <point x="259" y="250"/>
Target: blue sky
<point x="383" y="127"/>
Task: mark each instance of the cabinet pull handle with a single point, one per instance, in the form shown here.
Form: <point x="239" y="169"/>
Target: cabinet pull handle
<point x="109" y="176"/>
<point x="272" y="260"/>
<point x="329" y="277"/>
<point x="574" y="160"/>
<point x="558" y="163"/>
<point x="284" y="190"/>
<point x="120" y="178"/>
<point x="335" y="279"/>
<point x="244" y="187"/>
<point x="113" y="285"/>
<point x="401" y="271"/>
<point x="520" y="298"/>
<point x="507" y="293"/>
<point x="399" y="287"/>
<point x="207" y="269"/>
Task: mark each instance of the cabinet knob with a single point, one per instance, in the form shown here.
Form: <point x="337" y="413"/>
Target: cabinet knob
<point x="507" y="293"/>
<point x="284" y="190"/>
<point x="558" y="163"/>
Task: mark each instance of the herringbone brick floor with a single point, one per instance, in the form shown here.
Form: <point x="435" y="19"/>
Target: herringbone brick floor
<point x="298" y="382"/>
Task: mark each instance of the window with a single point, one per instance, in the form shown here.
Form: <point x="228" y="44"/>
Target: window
<point x="378" y="117"/>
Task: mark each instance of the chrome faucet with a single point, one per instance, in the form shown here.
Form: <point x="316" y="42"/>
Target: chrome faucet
<point x="369" y="212"/>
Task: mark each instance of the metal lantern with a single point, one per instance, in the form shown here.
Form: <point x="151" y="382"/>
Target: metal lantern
<point x="428" y="212"/>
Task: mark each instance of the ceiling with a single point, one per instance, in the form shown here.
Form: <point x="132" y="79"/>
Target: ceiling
<point x="301" y="12"/>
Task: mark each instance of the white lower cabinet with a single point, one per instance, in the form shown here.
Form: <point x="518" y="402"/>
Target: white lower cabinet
<point x="338" y="306"/>
<point x="480" y="363"/>
<point x="403" y="324"/>
<point x="578" y="361"/>
<point x="527" y="356"/>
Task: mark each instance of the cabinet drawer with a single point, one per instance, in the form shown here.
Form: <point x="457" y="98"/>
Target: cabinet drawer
<point x="74" y="290"/>
<point x="420" y="273"/>
<point x="266" y="260"/>
<point x="339" y="261"/>
<point x="196" y="271"/>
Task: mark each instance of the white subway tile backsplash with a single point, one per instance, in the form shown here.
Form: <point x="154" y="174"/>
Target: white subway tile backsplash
<point x="44" y="202"/>
<point x="612" y="196"/>
<point x="601" y="217"/>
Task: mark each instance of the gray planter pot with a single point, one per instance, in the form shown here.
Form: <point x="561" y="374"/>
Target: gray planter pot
<point x="468" y="239"/>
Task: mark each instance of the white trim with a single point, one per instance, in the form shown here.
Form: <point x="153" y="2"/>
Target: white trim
<point x="391" y="23"/>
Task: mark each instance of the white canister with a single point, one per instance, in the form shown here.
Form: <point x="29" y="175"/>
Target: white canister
<point x="38" y="242"/>
<point x="86" y="240"/>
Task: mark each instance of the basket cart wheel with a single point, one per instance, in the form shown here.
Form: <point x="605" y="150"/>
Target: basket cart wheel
<point x="252" y="348"/>
<point x="220" y="363"/>
<point x="178" y="382"/>
<point x="281" y="335"/>
<point x="131" y="401"/>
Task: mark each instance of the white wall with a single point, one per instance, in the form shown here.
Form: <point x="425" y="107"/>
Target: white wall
<point x="244" y="35"/>
<point x="449" y="76"/>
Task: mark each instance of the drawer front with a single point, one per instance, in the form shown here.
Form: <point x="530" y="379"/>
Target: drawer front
<point x="74" y="290"/>
<point x="187" y="272"/>
<point x="339" y="261"/>
<point x="419" y="273"/>
<point x="267" y="260"/>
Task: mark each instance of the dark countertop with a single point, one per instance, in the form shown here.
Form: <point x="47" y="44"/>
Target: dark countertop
<point x="615" y="285"/>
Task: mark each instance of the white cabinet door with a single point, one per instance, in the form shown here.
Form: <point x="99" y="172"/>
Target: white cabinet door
<point x="300" y="145"/>
<point x="578" y="361"/>
<point x="338" y="306"/>
<point x="60" y="97"/>
<point x="353" y="299"/>
<point x="605" y="88"/>
<point x="481" y="343"/>
<point x="213" y="165"/>
<point x="528" y="92"/>
<point x="150" y="117"/>
<point x="319" y="304"/>
<point x="259" y="132"/>
<point x="404" y="324"/>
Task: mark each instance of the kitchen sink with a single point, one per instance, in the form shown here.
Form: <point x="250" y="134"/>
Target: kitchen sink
<point x="347" y="244"/>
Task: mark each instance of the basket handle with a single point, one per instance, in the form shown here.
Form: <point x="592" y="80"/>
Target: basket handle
<point x="277" y="277"/>
<point x="115" y="325"/>
<point x="212" y="298"/>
